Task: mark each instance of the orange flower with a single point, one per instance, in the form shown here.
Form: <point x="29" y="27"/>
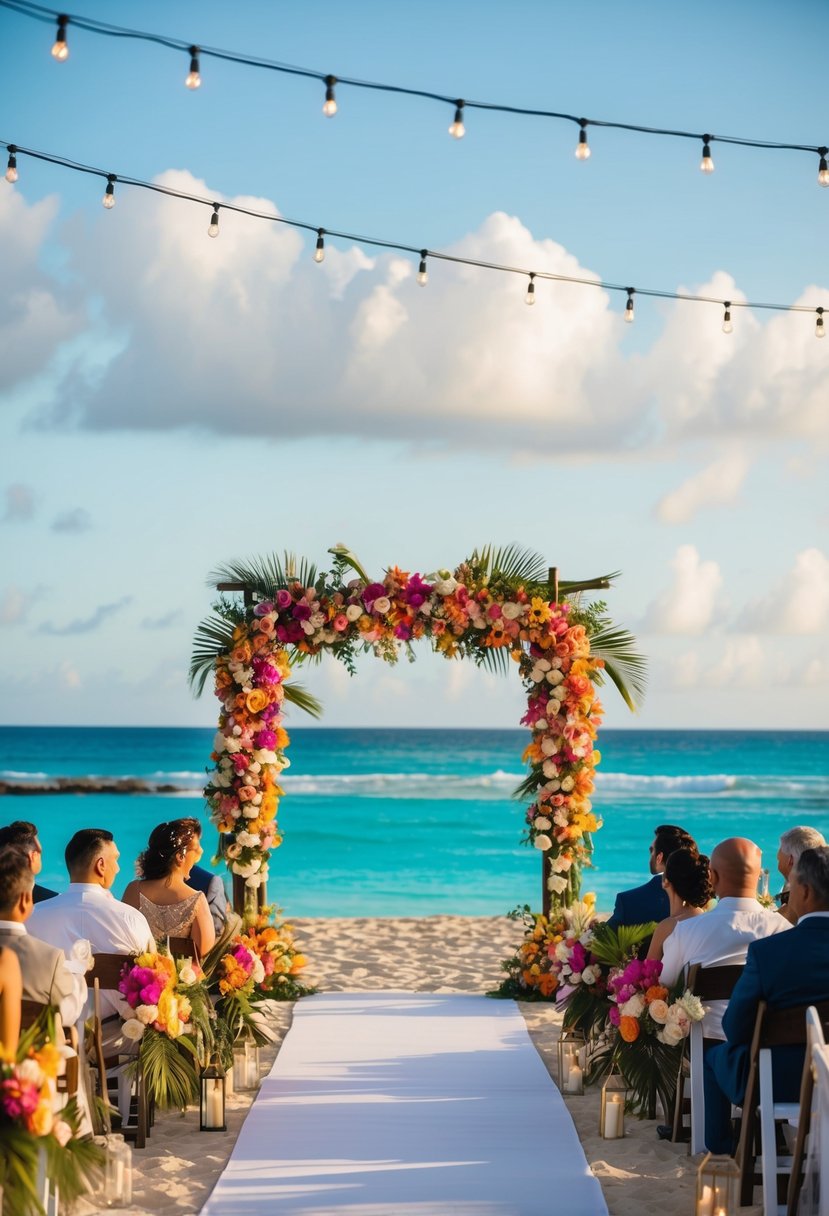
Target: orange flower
<point x="256" y="701"/>
<point x="656" y="992"/>
<point x="547" y="983"/>
<point x="629" y="1029"/>
<point x="241" y="654"/>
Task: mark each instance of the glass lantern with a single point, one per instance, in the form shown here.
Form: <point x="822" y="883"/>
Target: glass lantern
<point x="212" y="1098"/>
<point x="718" y="1186"/>
<point x="245" y="1062"/>
<point x="117" y="1172"/>
<point x="612" y="1110"/>
<point x="572" y="1058"/>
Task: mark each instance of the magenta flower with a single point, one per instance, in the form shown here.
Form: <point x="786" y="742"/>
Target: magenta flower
<point x="141" y="986"/>
<point x="283" y="600"/>
<point x="371" y="593"/>
<point x="266" y="739"/>
<point x="291" y="632"/>
<point x="244" y="958"/>
<point x="263" y="609"/>
<point x="18" y="1098"/>
<point x="301" y="612"/>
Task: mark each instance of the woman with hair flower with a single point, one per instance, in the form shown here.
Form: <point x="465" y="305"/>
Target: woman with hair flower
<point x="687" y="883"/>
<point x="172" y="908"/>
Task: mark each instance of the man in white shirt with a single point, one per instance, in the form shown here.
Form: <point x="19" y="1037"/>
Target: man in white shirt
<point x="89" y="909"/>
<point x="722" y="936"/>
<point x="48" y="977"/>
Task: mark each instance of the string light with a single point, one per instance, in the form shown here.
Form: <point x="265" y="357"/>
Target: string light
<point x="820" y="331"/>
<point x="823" y="168"/>
<point x="60" y="49"/>
<point x="193" y="79"/>
<point x="329" y="108"/>
<point x="422" y="272"/>
<point x="529" y="298"/>
<point x="38" y="12"/>
<point x="727" y="327"/>
<point x="583" y="147"/>
<point x="319" y="252"/>
<point x="707" y="162"/>
<point x="16" y="151"/>
<point x="456" y="129"/>
<point x="109" y="194"/>
<point x="629" y="305"/>
<point x="11" y="171"/>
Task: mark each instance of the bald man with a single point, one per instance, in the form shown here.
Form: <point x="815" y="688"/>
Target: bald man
<point x="723" y="935"/>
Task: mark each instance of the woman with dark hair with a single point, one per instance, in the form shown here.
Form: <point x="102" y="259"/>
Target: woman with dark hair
<point x="172" y="908"/>
<point x="687" y="883"/>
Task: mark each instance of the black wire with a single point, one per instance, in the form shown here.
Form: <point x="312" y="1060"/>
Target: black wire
<point x="381" y="243"/>
<point x="38" y="13"/>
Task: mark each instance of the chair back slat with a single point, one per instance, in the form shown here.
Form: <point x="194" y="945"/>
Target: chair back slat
<point x="714" y="983"/>
<point x="107" y="969"/>
<point x="30" y="1011"/>
<point x="787" y="1027"/>
<point x="183" y="947"/>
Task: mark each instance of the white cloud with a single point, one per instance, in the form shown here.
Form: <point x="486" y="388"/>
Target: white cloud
<point x="688" y="605"/>
<point x="742" y="665"/>
<point x="798" y="604"/>
<point x="717" y="485"/>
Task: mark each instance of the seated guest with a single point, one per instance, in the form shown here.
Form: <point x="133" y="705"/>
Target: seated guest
<point x="11" y="994"/>
<point x="161" y="892"/>
<point x="792" y="844"/>
<point x="649" y="902"/>
<point x="88" y="908"/>
<point x="687" y="883"/>
<point x="205" y="880"/>
<point x="782" y="972"/>
<point x="25" y="835"/>
<point x="722" y="936"/>
<point x="47" y="976"/>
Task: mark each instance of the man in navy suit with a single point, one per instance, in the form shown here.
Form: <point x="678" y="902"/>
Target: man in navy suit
<point x="214" y="889"/>
<point x="784" y="970"/>
<point x="649" y="902"/>
<point x="24" y="835"/>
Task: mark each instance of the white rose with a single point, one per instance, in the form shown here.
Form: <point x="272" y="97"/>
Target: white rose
<point x="258" y="972"/>
<point x="146" y="1014"/>
<point x="556" y="884"/>
<point x="549" y="745"/>
<point x="555" y="677"/>
<point x="510" y="611"/>
<point x="353" y="612"/>
<point x="553" y="784"/>
<point x="589" y="975"/>
<point x="81" y="952"/>
<point x="634" y="1007"/>
<point x="219" y="742"/>
<point x="658" y="1011"/>
<point x="233" y="745"/>
<point x="249" y="810"/>
<point x="247" y="840"/>
<point x="540" y="724"/>
<point x="562" y="952"/>
<point x="133" y="1030"/>
<point x="556" y="663"/>
<point x="187" y="975"/>
<point x="567" y="785"/>
<point x="562" y="863"/>
<point x="30" y="1071"/>
<point x="446" y="586"/>
<point x="381" y="604"/>
<point x="537" y="675"/>
<point x="541" y="823"/>
<point x="692" y="1005"/>
<point x="264" y="756"/>
<point x="249" y="867"/>
<point x="542" y="842"/>
<point x="671" y="1034"/>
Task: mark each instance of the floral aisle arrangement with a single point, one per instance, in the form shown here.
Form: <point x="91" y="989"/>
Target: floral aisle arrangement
<point x="493" y="608"/>
<point x="166" y="1009"/>
<point x="32" y="1123"/>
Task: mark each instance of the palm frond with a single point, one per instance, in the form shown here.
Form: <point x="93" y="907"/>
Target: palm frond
<point x="303" y="699"/>
<point x="601" y="583"/>
<point x="169" y="1069"/>
<point x="512" y="564"/>
<point x="214" y="637"/>
<point x="74" y="1168"/>
<point x="493" y="658"/>
<point x="614" y="946"/>
<point x="265" y="575"/>
<point x="623" y="664"/>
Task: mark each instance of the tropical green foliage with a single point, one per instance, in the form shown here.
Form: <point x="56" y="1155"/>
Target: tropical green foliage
<point x="169" y="1069"/>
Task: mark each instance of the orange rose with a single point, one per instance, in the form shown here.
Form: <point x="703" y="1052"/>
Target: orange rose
<point x="266" y="626"/>
<point x="240" y="654"/>
<point x="547" y="984"/>
<point x="629" y="1029"/>
<point x="656" y="993"/>
<point x="256" y="701"/>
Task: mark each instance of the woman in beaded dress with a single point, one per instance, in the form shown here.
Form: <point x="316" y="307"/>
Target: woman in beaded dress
<point x="172" y="908"/>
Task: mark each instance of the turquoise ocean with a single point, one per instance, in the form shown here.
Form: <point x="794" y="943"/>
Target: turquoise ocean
<point x="417" y="822"/>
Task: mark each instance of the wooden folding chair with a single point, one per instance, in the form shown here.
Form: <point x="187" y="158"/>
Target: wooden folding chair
<point x="106" y="974"/>
<point x="772" y="1028"/>
<point x="30" y="1011"/>
<point x="183" y="947"/>
<point x="709" y="984"/>
<point x="816" y="1032"/>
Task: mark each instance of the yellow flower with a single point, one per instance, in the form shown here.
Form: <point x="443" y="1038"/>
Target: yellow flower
<point x="539" y="612"/>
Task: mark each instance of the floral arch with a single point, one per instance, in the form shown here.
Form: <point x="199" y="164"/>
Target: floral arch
<point x="495" y="608"/>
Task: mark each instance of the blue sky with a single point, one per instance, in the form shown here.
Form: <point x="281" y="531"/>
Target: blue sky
<point x="170" y="402"/>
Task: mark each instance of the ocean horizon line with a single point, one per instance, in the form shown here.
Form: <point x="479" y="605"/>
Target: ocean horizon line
<point x="311" y="726"/>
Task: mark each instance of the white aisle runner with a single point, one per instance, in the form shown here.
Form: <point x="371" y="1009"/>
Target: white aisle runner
<point x="383" y="1103"/>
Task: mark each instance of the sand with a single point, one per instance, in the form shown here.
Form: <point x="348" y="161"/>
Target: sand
<point x="640" y="1175"/>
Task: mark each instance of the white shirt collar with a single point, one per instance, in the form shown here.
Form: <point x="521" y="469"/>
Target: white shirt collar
<point x="12" y="926"/>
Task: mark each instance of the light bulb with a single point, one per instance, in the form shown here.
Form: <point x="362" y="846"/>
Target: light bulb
<point x="707" y="163"/>
<point x="457" y="130"/>
<point x="329" y="109"/>
<point x="823" y="169"/>
<point x="422" y="273"/>
<point x="582" y="147"/>
<point x="60" y="50"/>
<point x="727" y="327"/>
<point x="11" y="171"/>
<point x="820" y="330"/>
<point x="213" y="230"/>
<point x="109" y="194"/>
<point x="629" y="306"/>
<point x="193" y="80"/>
<point x="319" y="252"/>
<point x="529" y="298"/>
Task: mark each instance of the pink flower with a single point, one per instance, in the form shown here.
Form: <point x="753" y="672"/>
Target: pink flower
<point x="340" y="622"/>
<point x="18" y="1098"/>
